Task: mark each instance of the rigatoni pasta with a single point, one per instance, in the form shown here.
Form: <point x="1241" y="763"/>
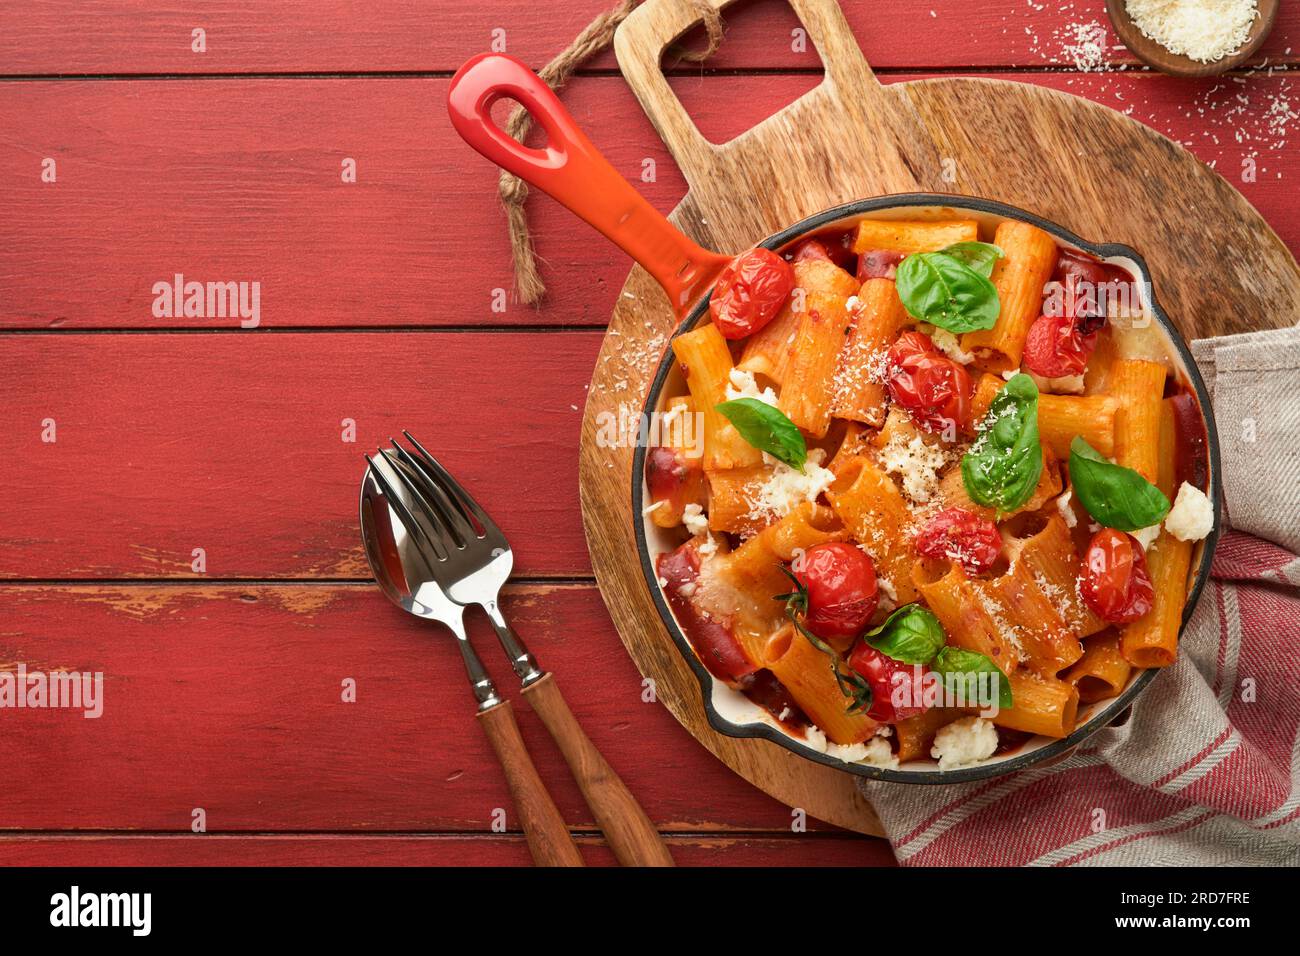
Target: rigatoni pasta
<point x="807" y="389"/>
<point x="858" y="386"/>
<point x="1020" y="277"/>
<point x="908" y="237"/>
<point x="892" y="513"/>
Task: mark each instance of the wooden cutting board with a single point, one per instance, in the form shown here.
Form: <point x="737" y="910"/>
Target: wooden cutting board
<point x="1217" y="268"/>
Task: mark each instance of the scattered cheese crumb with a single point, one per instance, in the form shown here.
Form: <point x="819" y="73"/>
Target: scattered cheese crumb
<point x="651" y="507"/>
<point x="1192" y="516"/>
<point x="964" y="741"/>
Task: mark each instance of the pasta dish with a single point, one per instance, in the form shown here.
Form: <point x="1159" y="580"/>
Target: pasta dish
<point x="931" y="485"/>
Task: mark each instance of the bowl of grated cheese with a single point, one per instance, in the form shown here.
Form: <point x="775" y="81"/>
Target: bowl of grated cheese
<point x="1192" y="37"/>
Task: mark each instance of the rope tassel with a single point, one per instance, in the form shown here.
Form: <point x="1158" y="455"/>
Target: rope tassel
<point x="597" y="36"/>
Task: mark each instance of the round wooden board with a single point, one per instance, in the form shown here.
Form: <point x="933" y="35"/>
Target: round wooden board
<point x="1217" y="268"/>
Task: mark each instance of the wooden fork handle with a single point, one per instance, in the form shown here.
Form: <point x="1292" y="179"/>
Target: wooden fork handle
<point x="630" y="834"/>
<point x="544" y="829"/>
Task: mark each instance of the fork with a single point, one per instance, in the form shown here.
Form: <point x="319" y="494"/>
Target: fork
<point x="419" y="593"/>
<point x="470" y="559"/>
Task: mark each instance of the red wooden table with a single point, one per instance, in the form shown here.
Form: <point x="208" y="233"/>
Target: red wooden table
<point x="380" y="309"/>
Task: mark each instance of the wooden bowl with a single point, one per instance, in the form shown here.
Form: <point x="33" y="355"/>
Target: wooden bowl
<point x="1154" y="55"/>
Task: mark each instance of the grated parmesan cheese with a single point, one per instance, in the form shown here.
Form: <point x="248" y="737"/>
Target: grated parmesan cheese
<point x="786" y="488"/>
<point x="1203" y="30"/>
<point x="917" y="463"/>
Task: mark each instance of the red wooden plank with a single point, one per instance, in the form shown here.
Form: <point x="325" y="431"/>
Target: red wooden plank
<point x="234" y="444"/>
<point x="820" y="850"/>
<point x="250" y="190"/>
<point x="100" y="36"/>
<point x="229" y="699"/>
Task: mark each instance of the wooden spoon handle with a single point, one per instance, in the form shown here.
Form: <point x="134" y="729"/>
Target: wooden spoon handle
<point x="631" y="835"/>
<point x="548" y="837"/>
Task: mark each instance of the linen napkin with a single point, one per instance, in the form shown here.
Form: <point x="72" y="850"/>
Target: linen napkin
<point x="1206" y="770"/>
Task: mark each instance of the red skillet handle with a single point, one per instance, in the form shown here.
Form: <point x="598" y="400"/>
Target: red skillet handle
<point x="572" y="171"/>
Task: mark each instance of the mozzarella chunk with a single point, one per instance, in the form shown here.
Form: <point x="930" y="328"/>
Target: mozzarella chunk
<point x="964" y="741"/>
<point x="1147" y="536"/>
<point x="1192" y="516"/>
<point x="743" y="385"/>
<point x="696" y="521"/>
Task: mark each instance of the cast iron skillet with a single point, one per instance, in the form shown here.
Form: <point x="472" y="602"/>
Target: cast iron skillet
<point x="572" y="171"/>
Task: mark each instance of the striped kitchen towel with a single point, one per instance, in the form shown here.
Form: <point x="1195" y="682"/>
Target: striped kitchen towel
<point x="1206" y="770"/>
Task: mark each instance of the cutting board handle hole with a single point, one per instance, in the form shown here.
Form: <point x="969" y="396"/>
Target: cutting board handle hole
<point x="766" y="30"/>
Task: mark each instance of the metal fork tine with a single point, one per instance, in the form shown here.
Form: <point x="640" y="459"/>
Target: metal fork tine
<point x="403" y="513"/>
<point x="432" y="514"/>
<point x="454" y="487"/>
<point x="461" y="525"/>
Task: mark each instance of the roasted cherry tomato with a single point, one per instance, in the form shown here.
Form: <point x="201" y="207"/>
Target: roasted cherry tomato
<point x="878" y="264"/>
<point x="840" y="581"/>
<point x="1086" y="282"/>
<point x="962" y="536"/>
<point x="811" y="249"/>
<point x="879" y="671"/>
<point x="1055" y="346"/>
<point x="750" y="292"/>
<point x="1115" y="582"/>
<point x="836" y="247"/>
<point x="714" y="640"/>
<point x="933" y="389"/>
<point x="675" y="481"/>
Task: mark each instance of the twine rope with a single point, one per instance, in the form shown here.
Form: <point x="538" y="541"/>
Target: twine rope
<point x="597" y="36"/>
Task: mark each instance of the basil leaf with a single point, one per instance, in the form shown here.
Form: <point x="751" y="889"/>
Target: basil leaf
<point x="944" y="291"/>
<point x="1002" y="468"/>
<point x="1115" y="496"/>
<point x="980" y="256"/>
<point x="911" y="634"/>
<point x="767" y="429"/>
<point x="970" y="664"/>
